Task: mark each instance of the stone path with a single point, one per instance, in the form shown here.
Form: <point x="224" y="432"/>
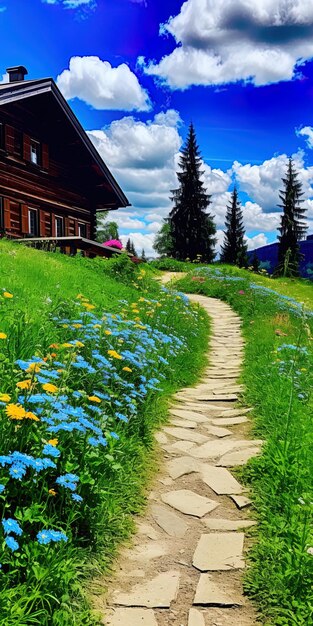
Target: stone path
<point x="186" y="564"/>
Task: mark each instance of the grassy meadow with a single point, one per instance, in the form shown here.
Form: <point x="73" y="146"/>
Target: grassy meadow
<point x="90" y="351"/>
<point x="278" y="377"/>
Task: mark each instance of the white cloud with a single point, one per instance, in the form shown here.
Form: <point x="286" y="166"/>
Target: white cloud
<point x="102" y="86"/>
<point x="306" y="131"/>
<point x="263" y="182"/>
<point x="257" y="241"/>
<point x="236" y="40"/>
<point x="141" y="241"/>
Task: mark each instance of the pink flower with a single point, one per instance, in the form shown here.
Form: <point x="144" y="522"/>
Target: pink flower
<point x="113" y="243"/>
<point x="241" y="292"/>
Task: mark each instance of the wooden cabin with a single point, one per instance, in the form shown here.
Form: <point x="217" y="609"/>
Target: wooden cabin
<point x="52" y="179"/>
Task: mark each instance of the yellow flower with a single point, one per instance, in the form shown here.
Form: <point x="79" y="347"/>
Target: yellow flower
<point x="15" y="411"/>
<point x="97" y="325"/>
<point x="53" y="442"/>
<point x="34" y="368"/>
<point x="24" y="384"/>
<point x="49" y="388"/>
<point x="6" y="294"/>
<point x="94" y="399"/>
<point x="3" y="336"/>
<point x="114" y="354"/>
<point x="127" y="369"/>
<point x="52" y="492"/>
<point x="120" y="340"/>
<point x="67" y="345"/>
<point x="64" y="325"/>
<point x="303" y="369"/>
<point x="136" y="311"/>
<point x="88" y="306"/>
<point x="31" y="416"/>
<point x="79" y="344"/>
<point x="77" y="325"/>
<point x="141" y="299"/>
<point x="80" y="296"/>
<point x="137" y="319"/>
<point x="107" y="332"/>
<point x="4" y="397"/>
<point x="158" y="304"/>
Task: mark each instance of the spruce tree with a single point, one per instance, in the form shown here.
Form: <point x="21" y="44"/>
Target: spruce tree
<point x="143" y="256"/>
<point x="292" y="228"/>
<point x="255" y="264"/>
<point x="128" y="246"/>
<point x="234" y="248"/>
<point x="192" y="229"/>
<point x="133" y="249"/>
<point x="163" y="243"/>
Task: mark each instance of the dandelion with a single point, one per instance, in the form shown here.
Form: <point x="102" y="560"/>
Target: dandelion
<point x="34" y="368"/>
<point x="3" y="336"/>
<point x="4" y="397"/>
<point x="52" y="492"/>
<point x="31" y="416"/>
<point x="107" y="332"/>
<point x="50" y="388"/>
<point x="94" y="399"/>
<point x="53" y="442"/>
<point x="77" y="325"/>
<point x="127" y="369"/>
<point x="7" y="294"/>
<point x="15" y="411"/>
<point x="24" y="384"/>
<point x="114" y="354"/>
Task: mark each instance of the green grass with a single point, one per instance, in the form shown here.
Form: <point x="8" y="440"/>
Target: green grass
<point x="278" y="385"/>
<point x="43" y="584"/>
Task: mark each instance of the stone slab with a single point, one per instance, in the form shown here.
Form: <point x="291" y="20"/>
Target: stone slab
<point x="147" y="530"/>
<point x="219" y="552"/>
<point x="218" y="432"/>
<point x="159" y="592"/>
<point x="148" y="551"/>
<point x="161" y="438"/>
<point x="189" y="502"/>
<point x="182" y="466"/>
<point x="229" y="421"/>
<point x="235" y="412"/>
<point x="183" y="423"/>
<point x="170" y="522"/>
<point x="238" y="457"/>
<point x="212" y="449"/>
<point x="189" y="415"/>
<point x="195" y="618"/>
<point x="131" y="617"/>
<point x="211" y="593"/>
<point x="231" y="397"/>
<point x="227" y="524"/>
<point x="185" y="434"/>
<point x="220" y="480"/>
<point x="241" y="501"/>
<point x="180" y="446"/>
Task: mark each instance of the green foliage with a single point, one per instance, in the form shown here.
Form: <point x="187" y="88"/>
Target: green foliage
<point x="44" y="584"/>
<point x="234" y="248"/>
<point x="106" y="230"/>
<point x="278" y="380"/>
<point x="292" y="227"/>
<point x="191" y="228"/>
<point x="163" y="243"/>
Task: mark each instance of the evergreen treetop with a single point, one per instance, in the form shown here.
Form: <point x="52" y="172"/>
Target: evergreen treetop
<point x="234" y="248"/>
<point x="192" y="229"/>
<point x="292" y="227"/>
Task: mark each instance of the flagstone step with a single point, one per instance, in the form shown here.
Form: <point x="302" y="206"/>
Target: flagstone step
<point x="219" y="551"/>
<point x="189" y="502"/>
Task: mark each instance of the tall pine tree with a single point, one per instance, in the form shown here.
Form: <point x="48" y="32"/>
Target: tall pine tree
<point x="292" y="228"/>
<point x="234" y="248"/>
<point x="192" y="229"/>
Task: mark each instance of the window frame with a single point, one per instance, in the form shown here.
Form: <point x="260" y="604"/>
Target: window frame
<point x="32" y="211"/>
<point x="56" y="218"/>
<point x="84" y="225"/>
<point x="38" y="152"/>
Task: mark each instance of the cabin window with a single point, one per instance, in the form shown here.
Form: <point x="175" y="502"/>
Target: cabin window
<point x="82" y="229"/>
<point x="59" y="226"/>
<point x="35" y="152"/>
<point x="33" y="222"/>
<point x="18" y="143"/>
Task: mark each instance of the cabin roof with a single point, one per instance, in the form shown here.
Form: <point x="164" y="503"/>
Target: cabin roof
<point x="19" y="90"/>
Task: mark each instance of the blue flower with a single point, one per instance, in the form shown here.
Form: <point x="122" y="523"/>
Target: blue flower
<point x="45" y="537"/>
<point x="2" y="488"/>
<point x="12" y="543"/>
<point x="76" y="497"/>
<point x="10" y="525"/>
<point x="17" y="471"/>
<point x="51" y="450"/>
<point x="122" y="417"/>
<point x="114" y="435"/>
<point x="93" y="441"/>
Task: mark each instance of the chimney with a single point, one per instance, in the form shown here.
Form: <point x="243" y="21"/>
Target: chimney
<point x="16" y="74"/>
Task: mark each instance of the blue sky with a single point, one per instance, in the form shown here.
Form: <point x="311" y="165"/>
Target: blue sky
<point x="137" y="72"/>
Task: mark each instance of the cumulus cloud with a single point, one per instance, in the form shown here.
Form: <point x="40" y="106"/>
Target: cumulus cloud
<point x="102" y="86"/>
<point x="257" y="241"/>
<point x="306" y="131"/>
<point x="236" y="40"/>
<point x="141" y="241"/>
<point x="263" y="182"/>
